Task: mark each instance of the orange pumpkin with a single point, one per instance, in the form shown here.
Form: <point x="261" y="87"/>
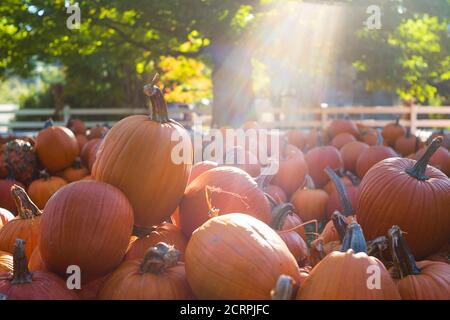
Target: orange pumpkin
<point x="318" y="159"/>
<point x="158" y="276"/>
<point x="408" y="144"/>
<point x="155" y="181"/>
<point x="165" y="232"/>
<point x="77" y="126"/>
<point x="97" y="132"/>
<point x="342" y="139"/>
<point x="200" y="167"/>
<point x="240" y="158"/>
<point x="82" y="140"/>
<point x="262" y="256"/>
<point x="392" y="131"/>
<point x="56" y="147"/>
<point x="36" y="262"/>
<point x="75" y="172"/>
<point x="343" y="198"/>
<point x="440" y="159"/>
<point x="88" y="224"/>
<point x="42" y="189"/>
<point x="309" y="202"/>
<point x="220" y="191"/>
<point x="89" y="152"/>
<point x="6" y="262"/>
<point x="5" y="216"/>
<point x="338" y="126"/>
<point x="25" y="226"/>
<point x="297" y="138"/>
<point x="350" y="153"/>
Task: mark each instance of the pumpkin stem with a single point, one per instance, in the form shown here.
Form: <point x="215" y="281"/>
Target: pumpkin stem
<point x="342" y="192"/>
<point x="319" y="139"/>
<point x="48" y="123"/>
<point x="302" y="225"/>
<point x="25" y="207"/>
<point x="417" y="144"/>
<point x="160" y="257"/>
<point x="408" y="132"/>
<point x="141" y="232"/>
<point x="279" y="215"/>
<point x="404" y="262"/>
<point x="379" y="244"/>
<point x="354" y="239"/>
<point x="273" y="203"/>
<point x="339" y="224"/>
<point x="77" y="163"/>
<point x="21" y="273"/>
<point x="43" y="174"/>
<point x="419" y="168"/>
<point x="379" y="138"/>
<point x="263" y="180"/>
<point x="353" y="178"/>
<point x="309" y="183"/>
<point x="397" y="120"/>
<point x="157" y="102"/>
<point x="284" y="288"/>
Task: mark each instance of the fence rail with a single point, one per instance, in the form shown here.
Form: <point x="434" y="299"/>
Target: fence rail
<point x="268" y="117"/>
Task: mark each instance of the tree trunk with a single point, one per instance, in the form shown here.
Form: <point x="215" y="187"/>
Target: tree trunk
<point x="233" y="96"/>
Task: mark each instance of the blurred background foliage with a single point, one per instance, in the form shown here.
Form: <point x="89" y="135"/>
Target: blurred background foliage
<point x="221" y="52"/>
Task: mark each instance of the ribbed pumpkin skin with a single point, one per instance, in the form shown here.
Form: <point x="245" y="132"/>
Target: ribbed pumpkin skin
<point x="89" y="224"/>
<point x="318" y="159"/>
<point x="389" y="196"/>
<point x="25" y="229"/>
<point x="310" y="204"/>
<point x="135" y="157"/>
<point x="440" y="159"/>
<point x="371" y="156"/>
<point x="350" y="153"/>
<point x="229" y="189"/>
<point x="432" y="284"/>
<point x="35" y="262"/>
<point x="127" y="283"/>
<point x="200" y="167"/>
<point x="249" y="254"/>
<point x="5" y="216"/>
<point x="45" y="286"/>
<point x="88" y="152"/>
<point x="56" y="147"/>
<point x="42" y="189"/>
<point x="165" y="232"/>
<point x="72" y="174"/>
<point x="6" y="262"/>
<point x="343" y="276"/>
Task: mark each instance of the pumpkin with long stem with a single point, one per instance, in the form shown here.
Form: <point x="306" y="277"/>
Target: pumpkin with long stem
<point x="410" y="194"/>
<point x="42" y="189"/>
<point x="25" y="226"/>
<point x="247" y="250"/>
<point x="372" y="155"/>
<point x="291" y="234"/>
<point x="440" y="159"/>
<point x="422" y="280"/>
<point x="157" y="276"/>
<point x="140" y="157"/>
<point x="310" y="203"/>
<point x="88" y="224"/>
<point x="21" y="284"/>
<point x="346" y="275"/>
<point x="56" y="147"/>
<point x="164" y="232"/>
<point x="343" y="198"/>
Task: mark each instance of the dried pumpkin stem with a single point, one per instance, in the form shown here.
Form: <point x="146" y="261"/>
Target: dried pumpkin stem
<point x="77" y="163"/>
<point x="43" y="174"/>
<point x="25" y="207"/>
<point x="342" y="192"/>
<point x="354" y="239"/>
<point x="309" y="183"/>
<point x="284" y="288"/>
<point x="48" y="123"/>
<point x="419" y="168"/>
<point x="404" y="262"/>
<point x="339" y="224"/>
<point x="160" y="257"/>
<point x="21" y="274"/>
<point x="279" y="215"/>
<point x="273" y="203"/>
<point x="379" y="138"/>
<point x="157" y="102"/>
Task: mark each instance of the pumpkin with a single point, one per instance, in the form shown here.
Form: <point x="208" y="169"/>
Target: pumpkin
<point x="158" y="276"/>
<point x="309" y="202"/>
<point x="86" y="223"/>
<point x="297" y="138"/>
<point x="368" y="136"/>
<point x="77" y="126"/>
<point x="372" y="155"/>
<point x="220" y="191"/>
<point x="89" y="152"/>
<point x="82" y="140"/>
<point x="350" y="153"/>
<point x="36" y="262"/>
<point x="443" y="255"/>
<point x="91" y="290"/>
<point x="440" y="159"/>
<point x="317" y="138"/>
<point x="410" y="194"/>
<point x="338" y="126"/>
<point x="6" y="262"/>
<point x="200" y="167"/>
<point x="165" y="232"/>
<point x="342" y="139"/>
<point x="292" y="169"/>
<point x="272" y="191"/>
<point x="318" y="159"/>
<point x="289" y="231"/>
<point x="56" y="147"/>
<point x="97" y="132"/>
<point x="344" y="275"/>
<point x="285" y="288"/>
<point x="392" y="131"/>
<point x="422" y="280"/>
<point x="246" y="250"/>
<point x="155" y="182"/>
<point x="330" y="187"/>
<point x="42" y="189"/>
<point x="18" y="156"/>
<point x="5" y="216"/>
<point x="343" y="198"/>
<point x="75" y="172"/>
<point x="408" y="144"/>
<point x="25" y="226"/>
<point x="240" y="158"/>
<point x="39" y="285"/>
<point x="6" y="199"/>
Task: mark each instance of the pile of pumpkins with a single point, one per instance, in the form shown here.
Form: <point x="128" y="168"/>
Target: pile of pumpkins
<point x="137" y="225"/>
